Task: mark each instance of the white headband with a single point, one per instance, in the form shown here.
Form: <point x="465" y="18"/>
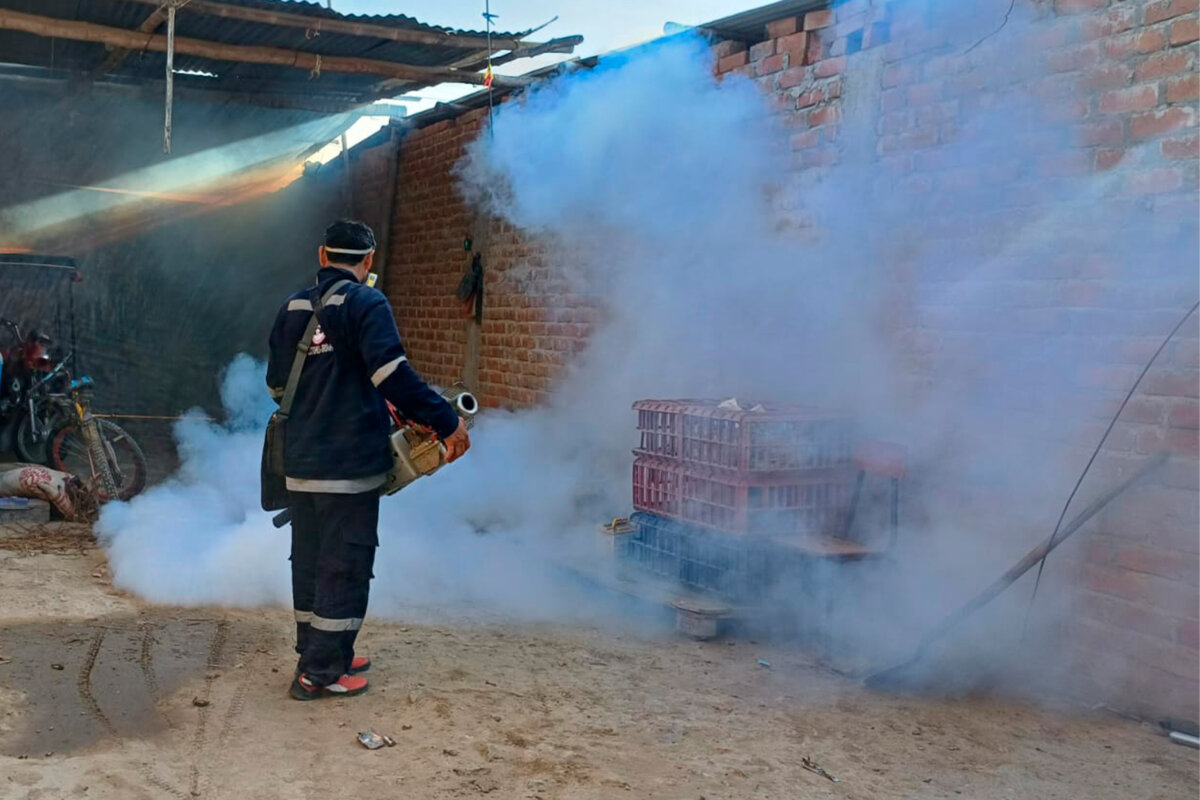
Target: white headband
<point x="349" y="252"/>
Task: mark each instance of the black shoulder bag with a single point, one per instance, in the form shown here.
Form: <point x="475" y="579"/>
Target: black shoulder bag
<point x="274" y="480"/>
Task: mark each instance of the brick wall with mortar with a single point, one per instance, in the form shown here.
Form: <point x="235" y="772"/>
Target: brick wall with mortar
<point x="533" y="320"/>
<point x="427" y="259"/>
<point x="1122" y="75"/>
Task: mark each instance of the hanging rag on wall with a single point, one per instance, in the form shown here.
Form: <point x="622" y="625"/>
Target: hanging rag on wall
<point x="470" y="288"/>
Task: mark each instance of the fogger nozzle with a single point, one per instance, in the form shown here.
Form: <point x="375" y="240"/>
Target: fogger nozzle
<point x="466" y="404"/>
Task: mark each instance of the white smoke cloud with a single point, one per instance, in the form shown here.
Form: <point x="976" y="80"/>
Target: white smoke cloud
<point x="666" y="195"/>
<point x="201" y="538"/>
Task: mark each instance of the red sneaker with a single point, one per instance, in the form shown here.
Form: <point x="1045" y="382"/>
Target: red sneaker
<point x="345" y="686"/>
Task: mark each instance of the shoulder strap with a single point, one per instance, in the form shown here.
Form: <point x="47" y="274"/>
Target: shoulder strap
<point x="319" y="306"/>
<point x="302" y="347"/>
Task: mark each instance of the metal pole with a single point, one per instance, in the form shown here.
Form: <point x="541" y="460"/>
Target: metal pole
<point x="347" y="184"/>
<point x="170" y="75"/>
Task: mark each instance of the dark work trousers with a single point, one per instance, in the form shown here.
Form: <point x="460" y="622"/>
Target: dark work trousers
<point x="334" y="537"/>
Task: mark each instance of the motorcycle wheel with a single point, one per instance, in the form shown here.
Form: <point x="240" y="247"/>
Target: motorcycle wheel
<point x="31" y="449"/>
<point x="69" y="453"/>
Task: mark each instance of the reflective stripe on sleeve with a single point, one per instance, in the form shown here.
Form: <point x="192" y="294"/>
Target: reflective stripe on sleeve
<point x="380" y="375"/>
<point x="299" y="305"/>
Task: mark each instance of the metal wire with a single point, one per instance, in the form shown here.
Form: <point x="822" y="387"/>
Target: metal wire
<point x="1050" y="546"/>
<point x="488" y="17"/>
<point x="1007" y="14"/>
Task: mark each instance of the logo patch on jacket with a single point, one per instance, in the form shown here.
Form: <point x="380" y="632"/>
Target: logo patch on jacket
<point x="318" y="343"/>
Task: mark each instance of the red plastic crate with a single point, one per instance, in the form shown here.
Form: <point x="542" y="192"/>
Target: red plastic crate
<point x="778" y="505"/>
<point x="757" y="438"/>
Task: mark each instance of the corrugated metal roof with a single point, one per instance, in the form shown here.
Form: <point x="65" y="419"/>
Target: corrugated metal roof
<point x="316" y="10"/>
<point x="748" y="26"/>
<point x="24" y="48"/>
<point x="751" y="26"/>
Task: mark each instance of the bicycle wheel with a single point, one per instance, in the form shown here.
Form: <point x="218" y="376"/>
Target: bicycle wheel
<point x="69" y="453"/>
<point x="33" y="448"/>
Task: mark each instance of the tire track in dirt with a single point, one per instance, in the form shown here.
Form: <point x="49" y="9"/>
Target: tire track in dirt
<point x="236" y="705"/>
<point x="146" y="663"/>
<point x="84" y="685"/>
<point x="200" y="738"/>
<point x="237" y="702"/>
<point x="92" y="707"/>
<point x="147" y="772"/>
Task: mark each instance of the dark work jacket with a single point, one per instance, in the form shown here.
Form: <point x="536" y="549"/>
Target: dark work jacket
<point x="336" y="438"/>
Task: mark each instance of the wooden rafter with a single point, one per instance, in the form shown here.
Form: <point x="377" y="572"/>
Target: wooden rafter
<point x="564" y="44"/>
<point x="478" y="60"/>
<point x="351" y="27"/>
<point x="313" y="62"/>
<point x="149" y="25"/>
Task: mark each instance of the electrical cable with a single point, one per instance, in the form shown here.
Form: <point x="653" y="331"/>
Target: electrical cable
<point x="488" y="17"/>
<point x="1011" y="6"/>
<point x="1053" y="536"/>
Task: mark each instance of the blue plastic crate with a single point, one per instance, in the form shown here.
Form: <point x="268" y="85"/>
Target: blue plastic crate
<point x="734" y="567"/>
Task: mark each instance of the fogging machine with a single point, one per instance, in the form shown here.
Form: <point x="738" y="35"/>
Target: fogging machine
<point x="416" y="449"/>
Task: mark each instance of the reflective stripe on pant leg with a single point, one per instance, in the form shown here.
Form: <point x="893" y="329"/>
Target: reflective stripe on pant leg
<point x="335" y="625"/>
<point x="303" y="616"/>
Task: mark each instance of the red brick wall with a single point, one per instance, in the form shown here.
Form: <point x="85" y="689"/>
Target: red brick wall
<point x="532" y="322"/>
<point x="534" y="319"/>
<point x="1122" y="76"/>
<point x="427" y="259"/>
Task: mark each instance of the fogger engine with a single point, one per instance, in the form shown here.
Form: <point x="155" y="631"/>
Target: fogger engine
<point x="416" y="449"/>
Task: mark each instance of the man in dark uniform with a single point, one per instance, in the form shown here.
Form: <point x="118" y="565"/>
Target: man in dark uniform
<point x="337" y="452"/>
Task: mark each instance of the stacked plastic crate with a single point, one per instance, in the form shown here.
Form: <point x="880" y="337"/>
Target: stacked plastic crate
<point x="719" y="487"/>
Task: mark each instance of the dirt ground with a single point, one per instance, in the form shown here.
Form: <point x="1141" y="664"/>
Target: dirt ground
<point x="104" y="697"/>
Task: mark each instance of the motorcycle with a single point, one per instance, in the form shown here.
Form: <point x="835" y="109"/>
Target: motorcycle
<point x="27" y="374"/>
<point x="50" y="415"/>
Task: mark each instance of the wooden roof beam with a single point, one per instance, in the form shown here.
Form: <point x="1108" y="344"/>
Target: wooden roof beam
<point x="312" y="62"/>
<point x="149" y="25"/>
<point x="347" y="26"/>
<point x="478" y="60"/>
<point x="564" y="44"/>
